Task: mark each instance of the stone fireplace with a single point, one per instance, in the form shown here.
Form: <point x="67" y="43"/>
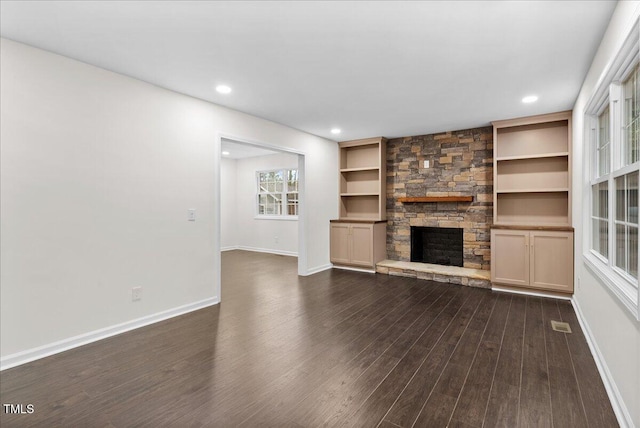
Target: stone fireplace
<point x="458" y="163"/>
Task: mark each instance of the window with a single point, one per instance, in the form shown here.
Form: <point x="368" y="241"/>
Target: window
<point x="277" y="193"/>
<point x="613" y="119"/>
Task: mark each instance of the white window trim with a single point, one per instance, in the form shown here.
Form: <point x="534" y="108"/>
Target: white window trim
<point x="283" y="216"/>
<point x="608" y="91"/>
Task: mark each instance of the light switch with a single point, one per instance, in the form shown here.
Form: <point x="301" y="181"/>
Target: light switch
<point x="191" y="214"/>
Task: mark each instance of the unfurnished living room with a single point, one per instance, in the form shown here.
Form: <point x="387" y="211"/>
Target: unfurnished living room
<point x="319" y="213"/>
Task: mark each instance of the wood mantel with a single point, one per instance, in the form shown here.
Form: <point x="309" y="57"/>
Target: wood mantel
<point x="416" y="200"/>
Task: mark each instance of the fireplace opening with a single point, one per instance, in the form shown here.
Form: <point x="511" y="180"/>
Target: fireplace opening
<point x="437" y="245"/>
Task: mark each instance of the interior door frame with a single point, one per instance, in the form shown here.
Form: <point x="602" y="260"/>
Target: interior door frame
<point x="302" y="211"/>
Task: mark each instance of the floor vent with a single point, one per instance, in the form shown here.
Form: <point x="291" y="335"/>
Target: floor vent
<point x="562" y="327"/>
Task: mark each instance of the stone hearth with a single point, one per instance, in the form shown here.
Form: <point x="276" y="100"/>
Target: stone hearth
<point x="449" y="274"/>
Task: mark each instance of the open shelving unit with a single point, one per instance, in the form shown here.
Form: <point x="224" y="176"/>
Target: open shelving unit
<point x="362" y="175"/>
<point x="532" y="171"/>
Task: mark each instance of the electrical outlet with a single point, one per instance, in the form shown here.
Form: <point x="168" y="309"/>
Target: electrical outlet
<point x="191" y="214"/>
<point x="276" y="239"/>
<point x="136" y="294"/>
<point x="425" y="164"/>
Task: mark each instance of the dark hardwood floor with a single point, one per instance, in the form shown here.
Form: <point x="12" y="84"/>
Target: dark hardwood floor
<point x="337" y="348"/>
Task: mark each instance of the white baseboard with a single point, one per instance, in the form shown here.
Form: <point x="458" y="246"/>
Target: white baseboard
<point x="29" y="355"/>
<point x="318" y="269"/>
<point x="230" y="248"/>
<point x="620" y="409"/>
<point x="355" y="269"/>
<point x="529" y="293"/>
<point x="267" y="250"/>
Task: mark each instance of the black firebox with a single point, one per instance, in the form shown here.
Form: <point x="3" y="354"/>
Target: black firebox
<point x="437" y="245"/>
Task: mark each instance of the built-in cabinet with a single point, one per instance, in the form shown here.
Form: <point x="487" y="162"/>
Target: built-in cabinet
<point x="358" y="237"/>
<point x="538" y="259"/>
<point x="532" y="238"/>
<point x="360" y="244"/>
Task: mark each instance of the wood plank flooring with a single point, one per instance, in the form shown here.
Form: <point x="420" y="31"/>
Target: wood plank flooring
<point x="337" y="348"/>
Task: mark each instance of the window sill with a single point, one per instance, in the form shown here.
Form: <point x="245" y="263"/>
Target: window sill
<point x="276" y="217"/>
<point x="626" y="292"/>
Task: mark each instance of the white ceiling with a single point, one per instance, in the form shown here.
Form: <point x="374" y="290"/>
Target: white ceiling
<point x="369" y="68"/>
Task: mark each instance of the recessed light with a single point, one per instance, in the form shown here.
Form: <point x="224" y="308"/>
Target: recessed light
<point x="226" y="153"/>
<point x="335" y="131"/>
<point x="223" y="89"/>
<point x="530" y="99"/>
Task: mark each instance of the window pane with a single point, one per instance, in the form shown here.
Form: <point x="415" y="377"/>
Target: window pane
<point x="600" y="196"/>
<point x="632" y="197"/>
<point x="292" y="180"/>
<point x="274" y="207"/>
<point x="292" y="204"/>
<point x="604" y="238"/>
<point x="599" y="221"/>
<point x="620" y="246"/>
<point x="279" y="181"/>
<point x="603" y="149"/>
<point x="600" y="237"/>
<point x="632" y="246"/>
<point x="631" y="113"/>
<point x="620" y="198"/>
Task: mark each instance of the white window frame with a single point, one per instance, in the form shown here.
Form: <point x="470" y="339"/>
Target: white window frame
<point x="283" y="201"/>
<point x="609" y="91"/>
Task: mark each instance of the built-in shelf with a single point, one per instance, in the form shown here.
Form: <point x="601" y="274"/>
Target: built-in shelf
<point x="528" y="227"/>
<point x="360" y="194"/>
<point x="366" y="168"/>
<point x="357" y="220"/>
<point x="534" y="190"/>
<point x="532" y="170"/>
<point x="537" y="156"/>
<point x="421" y="199"/>
<point x="362" y="179"/>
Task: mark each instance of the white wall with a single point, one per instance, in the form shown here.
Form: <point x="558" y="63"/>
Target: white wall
<point x="228" y="204"/>
<point x="97" y="173"/>
<point x="260" y="234"/>
<point x="613" y="330"/>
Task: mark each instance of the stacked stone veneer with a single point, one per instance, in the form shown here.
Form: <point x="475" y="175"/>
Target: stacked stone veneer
<point x="461" y="164"/>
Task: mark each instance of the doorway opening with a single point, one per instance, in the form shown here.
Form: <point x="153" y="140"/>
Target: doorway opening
<point x="261" y="201"/>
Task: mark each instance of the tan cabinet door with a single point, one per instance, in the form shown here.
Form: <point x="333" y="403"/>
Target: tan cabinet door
<point x="362" y="244"/>
<point x="552" y="261"/>
<point x="510" y="257"/>
<point x="340" y="242"/>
